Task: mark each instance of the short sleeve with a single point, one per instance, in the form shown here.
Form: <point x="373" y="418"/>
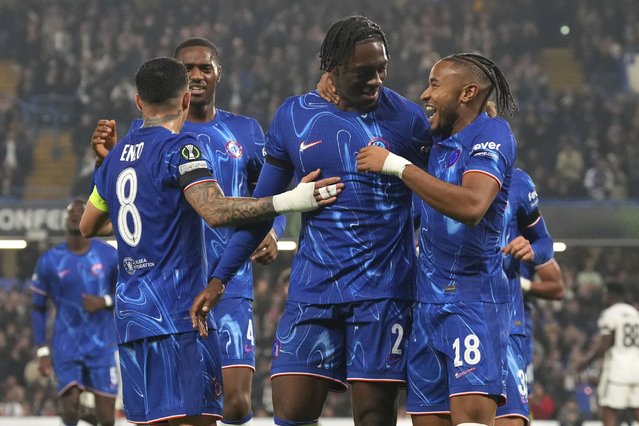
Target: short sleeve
<point x="187" y="162"/>
<point x="493" y="151"/>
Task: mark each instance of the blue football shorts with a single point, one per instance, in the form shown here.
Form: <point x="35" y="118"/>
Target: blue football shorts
<point x="97" y="374"/>
<point x="516" y="383"/>
<point x="171" y="376"/>
<point x="456" y="349"/>
<point x="234" y="319"/>
<point x="354" y="341"/>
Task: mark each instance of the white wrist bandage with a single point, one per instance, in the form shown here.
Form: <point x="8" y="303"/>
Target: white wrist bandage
<point x="108" y="301"/>
<point x="395" y="165"/>
<point x="299" y="199"/>
<point x="525" y="284"/>
<point x="43" y="351"/>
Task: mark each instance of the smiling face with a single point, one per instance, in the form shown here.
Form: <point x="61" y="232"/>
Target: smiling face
<point x="443" y="98"/>
<point x="204" y="73"/>
<point x="360" y="79"/>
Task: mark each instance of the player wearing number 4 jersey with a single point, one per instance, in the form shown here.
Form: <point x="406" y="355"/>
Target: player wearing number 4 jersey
<point x="153" y="188"/>
<point x="618" y="344"/>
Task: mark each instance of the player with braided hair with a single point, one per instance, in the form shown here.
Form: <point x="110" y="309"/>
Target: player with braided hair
<point x="459" y="338"/>
<point x="348" y="309"/>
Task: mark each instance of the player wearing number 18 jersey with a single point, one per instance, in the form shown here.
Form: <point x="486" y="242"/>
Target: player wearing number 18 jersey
<point x="457" y="347"/>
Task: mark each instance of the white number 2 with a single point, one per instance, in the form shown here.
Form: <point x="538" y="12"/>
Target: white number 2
<point x="399" y="330"/>
<point x="127" y="207"/>
<point x="471" y="351"/>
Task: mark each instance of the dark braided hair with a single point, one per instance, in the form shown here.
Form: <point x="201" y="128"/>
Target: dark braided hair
<point x="342" y="38"/>
<point x="487" y="72"/>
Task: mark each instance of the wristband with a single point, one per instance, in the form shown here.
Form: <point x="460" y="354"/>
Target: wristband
<point x="394" y="165"/>
<point x="525" y="284"/>
<point x="43" y="351"/>
<point x="108" y="301"/>
<point x="299" y="199"/>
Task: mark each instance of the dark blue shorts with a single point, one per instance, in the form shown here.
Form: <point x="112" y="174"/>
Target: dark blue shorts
<point x="355" y="341"/>
<point x="456" y="349"/>
<point x="171" y="376"/>
<point x="97" y="374"/>
<point x="516" y="383"/>
<point x="234" y="319"/>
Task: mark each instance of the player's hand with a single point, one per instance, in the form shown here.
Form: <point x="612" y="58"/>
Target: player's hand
<point x="267" y="251"/>
<point x="203" y="303"/>
<point x="104" y="138"/>
<point x="326" y="190"/>
<point x="520" y="249"/>
<point x="44" y="366"/>
<point x="371" y="159"/>
<point x="326" y="89"/>
<point x="92" y="303"/>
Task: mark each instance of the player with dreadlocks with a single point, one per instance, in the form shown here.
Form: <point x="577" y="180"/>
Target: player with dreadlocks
<point x="347" y="313"/>
<point x="457" y="349"/>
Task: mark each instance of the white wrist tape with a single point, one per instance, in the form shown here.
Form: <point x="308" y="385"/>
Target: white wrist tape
<point x="395" y="165"/>
<point x="525" y="284"/>
<point x="108" y="301"/>
<point x="43" y="351"/>
<point x="299" y="199"/>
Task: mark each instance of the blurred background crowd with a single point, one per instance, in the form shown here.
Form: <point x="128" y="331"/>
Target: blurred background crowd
<point x="65" y="63"/>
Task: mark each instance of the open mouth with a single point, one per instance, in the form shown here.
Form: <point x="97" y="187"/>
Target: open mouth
<point x="430" y="110"/>
<point x="197" y="90"/>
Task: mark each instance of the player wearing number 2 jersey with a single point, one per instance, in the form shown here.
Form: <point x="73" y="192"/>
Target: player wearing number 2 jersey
<point x="153" y="189"/>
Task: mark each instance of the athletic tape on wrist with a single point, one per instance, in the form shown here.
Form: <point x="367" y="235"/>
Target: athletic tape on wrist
<point x="394" y="165"/>
<point x="43" y="351"/>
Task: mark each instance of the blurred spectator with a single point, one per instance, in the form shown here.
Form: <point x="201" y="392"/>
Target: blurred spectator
<point x="599" y="179"/>
<point x="542" y="405"/>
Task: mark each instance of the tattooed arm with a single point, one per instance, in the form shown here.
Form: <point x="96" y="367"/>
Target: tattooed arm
<point x="209" y="201"/>
<point x="217" y="210"/>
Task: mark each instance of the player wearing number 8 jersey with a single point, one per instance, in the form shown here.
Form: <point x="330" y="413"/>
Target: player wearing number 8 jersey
<point x="154" y="187"/>
<point x="618" y="344"/>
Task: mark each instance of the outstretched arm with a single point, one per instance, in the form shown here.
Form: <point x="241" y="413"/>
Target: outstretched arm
<point x="217" y="210"/>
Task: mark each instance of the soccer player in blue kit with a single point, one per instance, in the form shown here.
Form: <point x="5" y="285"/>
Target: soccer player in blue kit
<point x="457" y="348"/>
<point x="154" y="188"/>
<point x="79" y="277"/>
<point x="234" y="143"/>
<point x="348" y="308"/>
<point x="524" y="238"/>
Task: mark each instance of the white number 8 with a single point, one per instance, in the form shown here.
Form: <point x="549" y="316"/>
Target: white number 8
<point x="129" y="236"/>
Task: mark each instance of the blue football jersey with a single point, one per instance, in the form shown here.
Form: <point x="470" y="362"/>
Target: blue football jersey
<point x="64" y="276"/>
<point x="162" y="265"/>
<point x="361" y="247"/>
<point x="235" y="146"/>
<point x="522" y="211"/>
<point x="459" y="262"/>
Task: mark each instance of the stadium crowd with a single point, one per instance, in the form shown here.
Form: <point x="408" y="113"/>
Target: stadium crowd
<point x="76" y="64"/>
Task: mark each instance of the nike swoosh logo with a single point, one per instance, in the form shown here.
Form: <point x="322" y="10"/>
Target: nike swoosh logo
<point x="304" y="145"/>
